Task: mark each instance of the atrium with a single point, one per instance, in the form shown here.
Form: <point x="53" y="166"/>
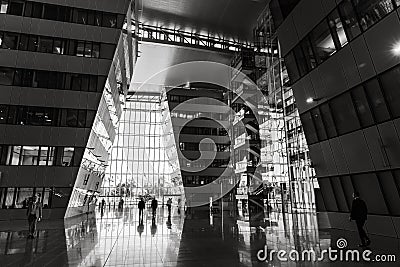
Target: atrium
<point x="200" y="133"/>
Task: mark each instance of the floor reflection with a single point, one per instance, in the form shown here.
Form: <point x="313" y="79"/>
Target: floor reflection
<point x="117" y="238"/>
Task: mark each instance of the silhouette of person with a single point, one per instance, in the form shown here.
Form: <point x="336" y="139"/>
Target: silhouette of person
<point x="169" y="224"/>
<point x="141" y="206"/>
<point x="169" y="205"/>
<point x="154" y="205"/>
<point x="153" y="228"/>
<point x="359" y="213"/>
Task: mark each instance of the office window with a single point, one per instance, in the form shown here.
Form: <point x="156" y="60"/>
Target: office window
<point x="37" y="10"/>
<point x="390" y="81"/>
<point x="349" y="19"/>
<point x="72" y="118"/>
<point x="23" y="42"/>
<point x="10" y="41"/>
<point x="107" y="51"/>
<point x="46" y="198"/>
<point x="339" y="194"/>
<point x="30" y="155"/>
<point x="79" y="16"/>
<point x="3" y="6"/>
<point x="67" y="156"/>
<point x="76" y="82"/>
<point x="368" y="187"/>
<point x="328" y="120"/>
<point x="344" y="114"/>
<point x="45" y="45"/>
<point x="88" y="49"/>
<point x="109" y="20"/>
<point x="390" y="192"/>
<point x="9" y="198"/>
<point x="59" y="46"/>
<point x="371" y="11"/>
<point x="6" y="76"/>
<point x="291" y="66"/>
<point x="50" y="12"/>
<point x="16" y="7"/>
<point x="308" y="53"/>
<point x="33" y="43"/>
<point x="96" y="50"/>
<point x="81" y="118"/>
<point x="336" y="25"/>
<point x="22" y="196"/>
<point x="362" y="107"/>
<point x="319" y="125"/>
<point x="13" y="156"/>
<point x="3" y="114"/>
<point x="43" y="153"/>
<point x="322" y="41"/>
<point x="80" y="48"/>
<point x="376" y="100"/>
<point x="328" y="194"/>
<point x="302" y="61"/>
<point x="308" y="126"/>
<point x="12" y="115"/>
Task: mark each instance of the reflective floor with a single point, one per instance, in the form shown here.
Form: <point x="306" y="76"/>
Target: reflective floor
<point x="115" y="238"/>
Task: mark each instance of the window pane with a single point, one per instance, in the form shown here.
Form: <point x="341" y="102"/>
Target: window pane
<point x="109" y="20"/>
<point x="50" y="12"/>
<point x="33" y="43"/>
<point x="371" y="11"/>
<point x="50" y="153"/>
<point x="328" y="120"/>
<point x="107" y="51"/>
<point x="377" y="101"/>
<point x="30" y="155"/>
<point x="22" y="197"/>
<point x="390" y="192"/>
<point x="344" y="114"/>
<point x="14" y="155"/>
<point x="291" y="66"/>
<point x="308" y="53"/>
<point x="37" y="9"/>
<point x="80" y="48"/>
<point x="23" y="42"/>
<point x="3" y="6"/>
<point x="43" y="156"/>
<point x="60" y="197"/>
<point x="80" y="16"/>
<point x="45" y="45"/>
<point x="3" y="114"/>
<point x="362" y="106"/>
<point x="322" y="42"/>
<point x="336" y="25"/>
<point x="72" y="118"/>
<point x="368" y="187"/>
<point x="308" y="126"/>
<point x="46" y="198"/>
<point x="76" y="82"/>
<point x="16" y="7"/>
<point x="88" y="49"/>
<point x="96" y="50"/>
<point x="9" y="201"/>
<point x="10" y="41"/>
<point x="59" y="47"/>
<point x="349" y="19"/>
<point x="301" y="60"/>
<point x="319" y="125"/>
<point x="67" y="157"/>
<point x="6" y="76"/>
<point x="391" y="86"/>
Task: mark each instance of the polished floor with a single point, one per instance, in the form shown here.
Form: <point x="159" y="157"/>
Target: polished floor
<point x="116" y="238"/>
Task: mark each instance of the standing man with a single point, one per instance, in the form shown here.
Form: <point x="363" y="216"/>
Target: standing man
<point x="34" y="213"/>
<point x="141" y="206"/>
<point x="359" y="213"/>
<point x="154" y="205"/>
<point x="169" y="205"/>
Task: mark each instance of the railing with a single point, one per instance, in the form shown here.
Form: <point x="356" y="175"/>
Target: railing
<point x="179" y="37"/>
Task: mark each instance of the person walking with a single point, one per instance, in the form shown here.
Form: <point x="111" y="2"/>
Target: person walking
<point x="359" y="212"/>
<point x="154" y="205"/>
<point x="169" y="205"/>
<point x="34" y="213"/>
<point x="141" y="206"/>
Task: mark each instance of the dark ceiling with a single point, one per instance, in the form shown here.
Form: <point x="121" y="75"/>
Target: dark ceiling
<point x="230" y="18"/>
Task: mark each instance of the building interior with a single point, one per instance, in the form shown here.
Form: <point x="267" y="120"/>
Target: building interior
<point x="200" y="133"/>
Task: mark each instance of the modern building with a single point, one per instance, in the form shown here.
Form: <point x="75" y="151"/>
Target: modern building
<point x="343" y="61"/>
<point x="65" y="68"/>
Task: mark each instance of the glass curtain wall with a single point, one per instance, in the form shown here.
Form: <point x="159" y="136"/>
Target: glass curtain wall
<point x="139" y="165"/>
